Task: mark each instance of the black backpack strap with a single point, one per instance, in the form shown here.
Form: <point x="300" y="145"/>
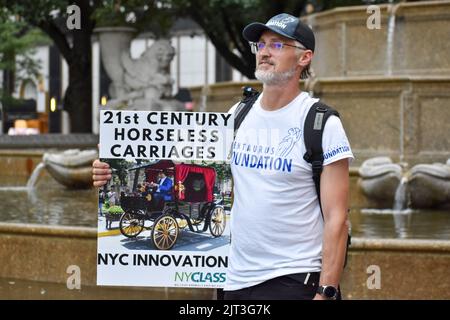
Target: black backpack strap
<point x="250" y="96"/>
<point x="315" y="121"/>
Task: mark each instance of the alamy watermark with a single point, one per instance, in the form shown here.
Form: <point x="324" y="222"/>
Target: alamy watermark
<point x="374" y="280"/>
<point x="74" y="280"/>
<point x="374" y="19"/>
<point x="74" y="18"/>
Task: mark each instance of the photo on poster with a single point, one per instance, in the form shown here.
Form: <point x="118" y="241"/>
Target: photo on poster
<point x="164" y="221"/>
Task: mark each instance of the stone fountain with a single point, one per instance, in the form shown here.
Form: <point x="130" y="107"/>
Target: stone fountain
<point x="391" y="88"/>
<point x="392" y="185"/>
<point x="389" y="84"/>
<point x="71" y="168"/>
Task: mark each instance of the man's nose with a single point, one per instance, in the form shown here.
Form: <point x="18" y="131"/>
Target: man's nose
<point x="264" y="56"/>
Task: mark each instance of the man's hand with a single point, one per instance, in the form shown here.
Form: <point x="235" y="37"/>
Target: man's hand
<point x="101" y="173"/>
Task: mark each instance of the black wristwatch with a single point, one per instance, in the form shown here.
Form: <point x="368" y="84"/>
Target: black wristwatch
<point x="328" y="292"/>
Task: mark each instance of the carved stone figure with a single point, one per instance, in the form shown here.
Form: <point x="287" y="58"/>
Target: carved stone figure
<point x="425" y="185"/>
<point x="379" y="179"/>
<point x="72" y="168"/>
<point x="147" y="81"/>
<point x="429" y="185"/>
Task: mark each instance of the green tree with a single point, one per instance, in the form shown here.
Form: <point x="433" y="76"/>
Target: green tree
<point x="17" y="44"/>
<point x="74" y="45"/>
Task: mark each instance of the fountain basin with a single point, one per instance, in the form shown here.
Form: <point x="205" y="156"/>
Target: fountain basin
<point x="43" y="253"/>
<point x="40" y="255"/>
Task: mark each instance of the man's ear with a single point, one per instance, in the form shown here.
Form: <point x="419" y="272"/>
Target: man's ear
<point x="305" y="58"/>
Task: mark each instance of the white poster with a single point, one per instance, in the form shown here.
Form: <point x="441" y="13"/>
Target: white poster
<point x="165" y="135"/>
<point x="163" y="217"/>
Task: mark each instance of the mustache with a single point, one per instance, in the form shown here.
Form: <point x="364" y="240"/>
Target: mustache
<point x="266" y="61"/>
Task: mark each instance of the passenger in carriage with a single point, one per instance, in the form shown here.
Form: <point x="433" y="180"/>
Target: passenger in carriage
<point x="163" y="191"/>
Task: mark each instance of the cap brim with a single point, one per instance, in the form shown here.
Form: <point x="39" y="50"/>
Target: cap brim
<point x="253" y="31"/>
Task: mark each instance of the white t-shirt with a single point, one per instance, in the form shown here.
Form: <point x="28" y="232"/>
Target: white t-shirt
<point x="276" y="224"/>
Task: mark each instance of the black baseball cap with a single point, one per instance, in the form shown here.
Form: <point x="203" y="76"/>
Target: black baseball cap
<point x="283" y="24"/>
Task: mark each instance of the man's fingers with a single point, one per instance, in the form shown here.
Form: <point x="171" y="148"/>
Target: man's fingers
<point x="101" y="177"/>
<point x="98" y="164"/>
<point x="99" y="183"/>
<point x="101" y="172"/>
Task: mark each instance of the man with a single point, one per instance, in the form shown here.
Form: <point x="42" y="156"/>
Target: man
<point x="163" y="189"/>
<point x="281" y="247"/>
<point x="101" y="200"/>
<point x="112" y="197"/>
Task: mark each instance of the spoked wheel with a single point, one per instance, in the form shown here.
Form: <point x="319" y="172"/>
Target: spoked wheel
<point x="165" y="232"/>
<point x="130" y="225"/>
<point x="217" y="222"/>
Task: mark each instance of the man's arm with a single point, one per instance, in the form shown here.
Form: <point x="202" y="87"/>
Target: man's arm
<point x="334" y="191"/>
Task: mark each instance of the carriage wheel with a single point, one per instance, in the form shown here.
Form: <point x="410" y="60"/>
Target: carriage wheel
<point x="217" y="222"/>
<point x="165" y="232"/>
<point x="130" y="226"/>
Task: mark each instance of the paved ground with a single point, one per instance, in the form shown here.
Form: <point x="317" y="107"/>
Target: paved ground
<point x="187" y="240"/>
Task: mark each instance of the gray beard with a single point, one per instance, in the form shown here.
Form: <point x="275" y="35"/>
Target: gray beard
<point x="271" y="78"/>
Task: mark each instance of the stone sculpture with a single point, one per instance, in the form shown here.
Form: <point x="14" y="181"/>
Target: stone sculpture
<point x="429" y="185"/>
<point x="379" y="178"/>
<point x="424" y="185"/>
<point x="147" y="81"/>
<point x="72" y="168"/>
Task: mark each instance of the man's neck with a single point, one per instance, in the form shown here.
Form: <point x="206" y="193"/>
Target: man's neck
<point x="276" y="97"/>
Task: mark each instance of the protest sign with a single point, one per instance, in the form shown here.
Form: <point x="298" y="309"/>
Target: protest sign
<point x="163" y="215"/>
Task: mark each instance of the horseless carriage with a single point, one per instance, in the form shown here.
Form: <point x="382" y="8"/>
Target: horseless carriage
<point x="192" y="204"/>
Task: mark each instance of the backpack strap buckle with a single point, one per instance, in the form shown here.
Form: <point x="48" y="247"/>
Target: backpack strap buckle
<point x="317" y="166"/>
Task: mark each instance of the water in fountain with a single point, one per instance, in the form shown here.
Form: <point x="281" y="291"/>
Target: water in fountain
<point x="401" y="213"/>
<point x="35" y="176"/>
<point x="390" y="39"/>
<point x="400" y="195"/>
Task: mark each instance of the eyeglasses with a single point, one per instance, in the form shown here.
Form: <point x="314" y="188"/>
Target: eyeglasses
<point x="273" y="46"/>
